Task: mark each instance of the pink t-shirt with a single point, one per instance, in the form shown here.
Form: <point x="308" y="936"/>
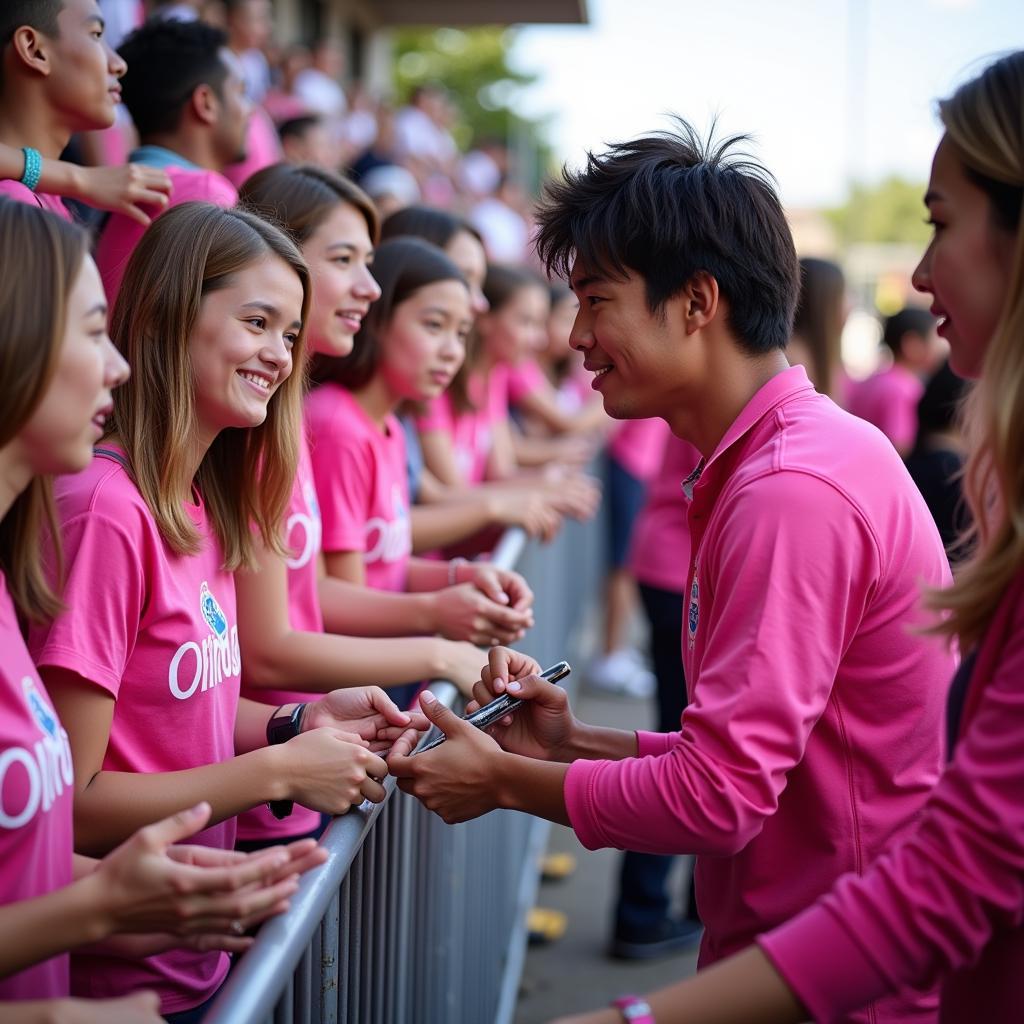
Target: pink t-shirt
<point x="361" y="484"/>
<point x="36" y="792"/>
<point x="158" y="632"/>
<point x="947" y="903"/>
<point x="637" y="446"/>
<point x="889" y="400"/>
<point x="262" y="148"/>
<point x="121" y="234"/>
<point x="525" y="378"/>
<point x="302" y="534"/>
<point x="660" y="547"/>
<point x="22" y="194"/>
<point x="471" y="431"/>
<point x="814" y="730"/>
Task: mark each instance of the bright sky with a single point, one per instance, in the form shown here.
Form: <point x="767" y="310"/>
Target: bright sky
<point x="831" y="89"/>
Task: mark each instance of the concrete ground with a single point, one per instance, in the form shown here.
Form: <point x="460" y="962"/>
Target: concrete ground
<point x="574" y="974"/>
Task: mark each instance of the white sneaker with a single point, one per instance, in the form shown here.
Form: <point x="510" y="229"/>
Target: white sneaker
<point x="621" y="672"/>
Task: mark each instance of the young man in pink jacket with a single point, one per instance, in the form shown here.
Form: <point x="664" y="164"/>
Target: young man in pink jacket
<point x="813" y="732"/>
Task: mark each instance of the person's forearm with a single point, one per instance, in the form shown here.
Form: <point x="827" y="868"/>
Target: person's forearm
<point x="429" y="574"/>
<point x="435" y="526"/>
<point x="535" y="452"/>
<point x="601" y="743"/>
<point x="320" y="662"/>
<point x="362" y="611"/>
<point x="40" y="1011"/>
<point x="532" y="786"/>
<point x="56" y="176"/>
<point x="36" y="929"/>
<point x="745" y="989"/>
<point x="116" y="804"/>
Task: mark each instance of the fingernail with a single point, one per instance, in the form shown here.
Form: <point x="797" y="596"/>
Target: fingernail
<point x="426" y="697"/>
<point x="514" y="687"/>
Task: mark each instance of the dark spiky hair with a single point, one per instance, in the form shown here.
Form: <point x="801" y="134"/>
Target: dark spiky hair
<point x="667" y="206"/>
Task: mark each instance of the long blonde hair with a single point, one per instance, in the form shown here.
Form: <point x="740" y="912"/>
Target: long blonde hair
<point x="984" y="120"/>
<point x="246" y="476"/>
<point x="41" y="256"/>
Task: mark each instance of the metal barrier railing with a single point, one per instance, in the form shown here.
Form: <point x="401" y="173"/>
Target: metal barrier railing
<point x="410" y="920"/>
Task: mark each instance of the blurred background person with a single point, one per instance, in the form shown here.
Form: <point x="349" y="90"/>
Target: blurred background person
<point x="889" y="397"/>
<point x="937" y="458"/>
<point x="816" y="342"/>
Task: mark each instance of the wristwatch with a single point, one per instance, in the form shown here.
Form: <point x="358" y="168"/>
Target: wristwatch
<point x="634" y="1009"/>
<point x="280" y="729"/>
<point x="283" y="727"/>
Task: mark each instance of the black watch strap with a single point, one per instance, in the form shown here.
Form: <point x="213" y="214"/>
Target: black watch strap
<point x="280" y="729"/>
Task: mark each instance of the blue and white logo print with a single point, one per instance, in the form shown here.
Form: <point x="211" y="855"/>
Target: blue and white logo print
<point x="212" y="611"/>
<point x="200" y="665"/>
<point x="45" y="718"/>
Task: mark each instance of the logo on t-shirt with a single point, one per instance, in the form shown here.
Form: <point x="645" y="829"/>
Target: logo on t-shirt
<point x="211" y="660"/>
<point x="693" y="612"/>
<point x="393" y="540"/>
<point x="304" y="532"/>
<point x="44" y="764"/>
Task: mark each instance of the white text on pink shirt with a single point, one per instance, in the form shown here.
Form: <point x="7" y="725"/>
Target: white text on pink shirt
<point x="394" y="537"/>
<point x="46" y="763"/>
<point x="213" y="659"/>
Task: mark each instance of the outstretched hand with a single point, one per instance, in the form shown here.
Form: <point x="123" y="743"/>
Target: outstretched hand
<point x="366" y="711"/>
<point x="149" y="884"/>
<point x="458" y="779"/>
<point x="131" y="189"/>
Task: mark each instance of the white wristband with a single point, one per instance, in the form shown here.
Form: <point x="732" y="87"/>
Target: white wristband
<point x="453" y="570"/>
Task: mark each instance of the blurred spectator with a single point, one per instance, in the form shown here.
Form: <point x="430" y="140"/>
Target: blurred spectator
<point x="186" y="96"/>
<point x="391" y="187"/>
<point x="381" y="150"/>
<point x="318" y="85"/>
<point x="120" y="17"/>
<point x="178" y="10"/>
<point x="818" y="327"/>
<point x="938" y="456"/>
<point x="307" y="140"/>
<point x="889" y="398"/>
<point x="505" y="232"/>
<point x="360" y="128"/>
<point x="249" y="24"/>
<point x="421" y="141"/>
<point x="282" y="103"/>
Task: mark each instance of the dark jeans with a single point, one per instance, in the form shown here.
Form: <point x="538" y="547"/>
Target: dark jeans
<point x="643" y="901"/>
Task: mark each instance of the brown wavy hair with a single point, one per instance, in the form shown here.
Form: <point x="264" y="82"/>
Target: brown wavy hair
<point x="41" y="256"/>
<point x="298" y="198"/>
<point x="246" y="476"/>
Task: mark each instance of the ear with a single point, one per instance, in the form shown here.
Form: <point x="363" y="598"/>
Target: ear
<point x="204" y="104"/>
<point x="31" y="48"/>
<point x="699" y="301"/>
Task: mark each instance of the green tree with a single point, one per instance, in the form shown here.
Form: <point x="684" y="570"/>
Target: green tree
<point x="472" y="64"/>
<point x="890" y="211"/>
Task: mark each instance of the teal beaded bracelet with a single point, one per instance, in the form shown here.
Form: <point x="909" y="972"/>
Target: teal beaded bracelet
<point x="33" y="168"/>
